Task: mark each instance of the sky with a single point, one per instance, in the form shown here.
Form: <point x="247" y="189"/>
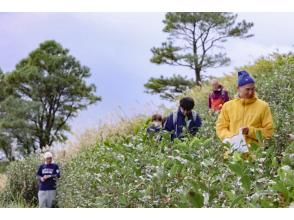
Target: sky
<point x="116" y="48"/>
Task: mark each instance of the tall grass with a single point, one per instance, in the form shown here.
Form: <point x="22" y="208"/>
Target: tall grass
<point x="3" y="166"/>
<point x="3" y="180"/>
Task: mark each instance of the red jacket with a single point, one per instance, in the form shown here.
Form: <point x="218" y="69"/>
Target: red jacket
<point x="216" y="99"/>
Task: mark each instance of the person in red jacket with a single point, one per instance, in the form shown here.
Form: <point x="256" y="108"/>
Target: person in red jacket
<point x="217" y="97"/>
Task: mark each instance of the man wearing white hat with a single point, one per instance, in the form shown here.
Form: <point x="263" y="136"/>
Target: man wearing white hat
<point x="47" y="175"/>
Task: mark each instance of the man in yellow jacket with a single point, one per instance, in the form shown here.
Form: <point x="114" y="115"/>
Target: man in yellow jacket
<point x="246" y="111"/>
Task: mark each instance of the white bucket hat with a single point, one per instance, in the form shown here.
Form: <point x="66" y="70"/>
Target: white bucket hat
<point x="48" y="155"/>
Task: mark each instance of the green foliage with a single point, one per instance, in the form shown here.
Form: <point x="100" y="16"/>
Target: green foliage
<point x="49" y="87"/>
<point x="130" y="169"/>
<point x="168" y="87"/>
<point x="3" y="166"/>
<point x="21" y="188"/>
<point x="136" y="171"/>
<point x="192" y="38"/>
<point x="274" y="81"/>
<point x="5" y="138"/>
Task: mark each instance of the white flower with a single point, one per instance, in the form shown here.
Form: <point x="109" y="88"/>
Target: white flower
<point x="286" y="168"/>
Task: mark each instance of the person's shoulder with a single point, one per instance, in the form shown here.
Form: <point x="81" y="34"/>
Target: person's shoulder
<point x="170" y="115"/>
<point x="225" y="91"/>
<point x="229" y="103"/>
<point x="41" y="166"/>
<point x="262" y="103"/>
<point x="55" y="164"/>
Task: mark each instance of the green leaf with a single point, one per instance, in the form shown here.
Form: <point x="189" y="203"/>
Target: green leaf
<point x="237" y="156"/>
<point x="246" y="182"/>
<point x="236" y="168"/>
<point x="196" y="199"/>
<point x="123" y="200"/>
<point x="254" y="146"/>
<point x="259" y="136"/>
<point x="195" y="142"/>
<point x="236" y="201"/>
<point x="280" y="187"/>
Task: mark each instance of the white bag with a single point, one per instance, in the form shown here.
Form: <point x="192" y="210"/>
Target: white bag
<point x="237" y="142"/>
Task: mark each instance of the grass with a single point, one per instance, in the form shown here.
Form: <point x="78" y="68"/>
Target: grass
<point x="2" y="181"/>
<point x="3" y="166"/>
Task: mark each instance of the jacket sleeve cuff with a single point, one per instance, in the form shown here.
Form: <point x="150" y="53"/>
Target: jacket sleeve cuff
<point x="227" y="135"/>
<point x="252" y="132"/>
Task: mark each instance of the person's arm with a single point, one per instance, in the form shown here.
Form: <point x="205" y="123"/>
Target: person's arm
<point x="209" y="101"/>
<point x="169" y="124"/>
<point x="226" y="96"/>
<point x="56" y="173"/>
<point x="198" y="122"/>
<point x="39" y="175"/>
<point x="223" y="124"/>
<point x="150" y="129"/>
<point x="196" y="125"/>
<point x="266" y="125"/>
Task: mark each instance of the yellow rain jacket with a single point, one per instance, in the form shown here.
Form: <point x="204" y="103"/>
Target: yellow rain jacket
<point x="253" y="113"/>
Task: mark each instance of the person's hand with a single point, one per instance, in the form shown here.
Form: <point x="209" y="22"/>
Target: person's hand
<point x="245" y="130"/>
<point x="45" y="177"/>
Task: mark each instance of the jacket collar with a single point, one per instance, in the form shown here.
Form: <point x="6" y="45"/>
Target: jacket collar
<point x="246" y="101"/>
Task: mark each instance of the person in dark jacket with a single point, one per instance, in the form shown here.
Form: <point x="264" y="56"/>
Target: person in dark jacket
<point x="217" y="97"/>
<point x="185" y="118"/>
<point x="47" y="175"/>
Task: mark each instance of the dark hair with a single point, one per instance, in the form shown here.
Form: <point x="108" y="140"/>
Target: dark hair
<point x="156" y="117"/>
<point x="187" y="103"/>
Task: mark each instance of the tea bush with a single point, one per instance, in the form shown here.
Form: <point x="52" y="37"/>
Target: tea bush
<point x="131" y="169"/>
<point x="135" y="171"/>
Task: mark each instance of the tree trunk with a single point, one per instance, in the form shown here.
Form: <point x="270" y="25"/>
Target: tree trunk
<point x="8" y="154"/>
<point x="198" y="77"/>
<point x="42" y="142"/>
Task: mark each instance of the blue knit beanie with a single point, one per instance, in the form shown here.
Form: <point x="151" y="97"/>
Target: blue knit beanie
<point x="244" y="78"/>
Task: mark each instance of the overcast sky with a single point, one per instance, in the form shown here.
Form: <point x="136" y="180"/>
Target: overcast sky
<point x="116" y="47"/>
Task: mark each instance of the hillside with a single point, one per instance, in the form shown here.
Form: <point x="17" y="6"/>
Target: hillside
<point x="124" y="167"/>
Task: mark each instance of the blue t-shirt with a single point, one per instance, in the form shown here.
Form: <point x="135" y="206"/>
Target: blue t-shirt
<point x="53" y="171"/>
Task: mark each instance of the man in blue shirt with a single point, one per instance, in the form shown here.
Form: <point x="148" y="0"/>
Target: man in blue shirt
<point x="183" y="118"/>
<point x="47" y="175"/>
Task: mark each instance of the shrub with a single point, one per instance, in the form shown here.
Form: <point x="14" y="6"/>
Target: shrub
<point x="21" y="185"/>
<point x="133" y="170"/>
<point x="125" y="167"/>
